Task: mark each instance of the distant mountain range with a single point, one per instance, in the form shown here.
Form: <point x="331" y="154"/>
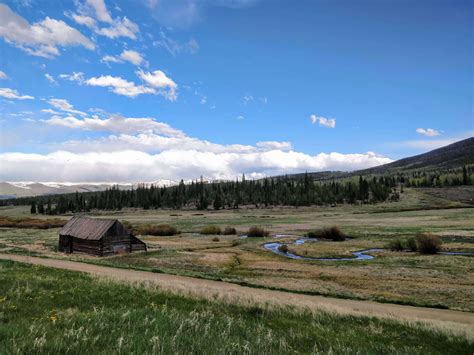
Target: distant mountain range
<point x="26" y="189"/>
<point x="451" y="156"/>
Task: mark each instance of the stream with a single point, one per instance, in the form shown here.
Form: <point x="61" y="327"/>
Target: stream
<point x="357" y="255"/>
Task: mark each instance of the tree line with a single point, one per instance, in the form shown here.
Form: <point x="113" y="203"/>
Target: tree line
<point x="201" y="195"/>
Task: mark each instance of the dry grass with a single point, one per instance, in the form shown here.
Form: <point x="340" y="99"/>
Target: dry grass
<point x="161" y="230"/>
<point x="34" y="223"/>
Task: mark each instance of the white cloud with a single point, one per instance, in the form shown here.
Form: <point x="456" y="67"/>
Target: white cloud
<point x="50" y="111"/>
<point x="174" y="47"/>
<point x="159" y="80"/>
<point x="135" y="166"/>
<point x="116" y="123"/>
<point x="100" y="9"/>
<point x="120" y="86"/>
<point x="13" y="94"/>
<point x="50" y="79"/>
<point x="84" y="20"/>
<point x="92" y="10"/>
<point x="131" y="56"/>
<point x="3" y="76"/>
<point x="323" y="121"/>
<point x="120" y="28"/>
<point x="428" y="132"/>
<point x="64" y="105"/>
<point x="42" y="38"/>
<point x="75" y="76"/>
<point x="272" y="145"/>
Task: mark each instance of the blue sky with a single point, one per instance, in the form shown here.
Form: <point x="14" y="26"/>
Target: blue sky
<point x="129" y="91"/>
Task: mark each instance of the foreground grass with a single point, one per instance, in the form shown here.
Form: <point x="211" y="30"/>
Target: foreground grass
<point x="45" y="310"/>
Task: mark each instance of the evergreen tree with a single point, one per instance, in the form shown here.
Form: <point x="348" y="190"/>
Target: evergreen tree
<point x="33" y="207"/>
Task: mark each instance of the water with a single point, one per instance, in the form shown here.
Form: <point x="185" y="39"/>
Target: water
<point x="358" y="255"/>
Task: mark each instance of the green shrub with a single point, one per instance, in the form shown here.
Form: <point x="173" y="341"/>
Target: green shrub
<point x="428" y="243"/>
<point x="257" y="232"/>
<point x="396" y="245"/>
<point x="229" y="231"/>
<point x="211" y="230"/>
<point x="161" y="230"/>
<point x="410" y="244"/>
<point x="332" y="233"/>
<point x="283" y="248"/>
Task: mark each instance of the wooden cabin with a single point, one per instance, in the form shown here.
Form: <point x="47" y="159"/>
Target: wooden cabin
<point x="99" y="237"/>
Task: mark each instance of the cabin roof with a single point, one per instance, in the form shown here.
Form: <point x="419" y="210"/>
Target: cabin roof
<point x="87" y="228"/>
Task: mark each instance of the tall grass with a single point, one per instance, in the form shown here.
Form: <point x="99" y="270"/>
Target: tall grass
<point x="44" y="311"/>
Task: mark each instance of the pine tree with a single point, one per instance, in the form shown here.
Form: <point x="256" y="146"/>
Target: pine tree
<point x="33" y="207"/>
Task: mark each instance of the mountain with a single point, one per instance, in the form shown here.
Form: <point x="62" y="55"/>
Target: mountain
<point x="27" y="189"/>
<point x="454" y="155"/>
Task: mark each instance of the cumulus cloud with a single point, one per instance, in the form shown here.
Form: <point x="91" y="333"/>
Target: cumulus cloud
<point x="64" y="105"/>
<point x="174" y="47"/>
<point x="157" y="83"/>
<point x="135" y="166"/>
<point x="155" y="150"/>
<point x="42" y="38"/>
<point x="323" y="121"/>
<point x="428" y="132"/>
<point x="120" y="86"/>
<point x="131" y="56"/>
<point x="159" y="80"/>
<point x="13" y="94"/>
<point x="95" y="15"/>
<point x="3" y="76"/>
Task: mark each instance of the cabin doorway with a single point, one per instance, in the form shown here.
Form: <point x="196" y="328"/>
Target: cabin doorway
<point x="68" y="244"/>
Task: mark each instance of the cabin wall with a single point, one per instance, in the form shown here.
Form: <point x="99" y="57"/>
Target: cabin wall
<point x="86" y="246"/>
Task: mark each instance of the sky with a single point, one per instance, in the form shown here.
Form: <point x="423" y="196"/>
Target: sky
<point x="151" y="90"/>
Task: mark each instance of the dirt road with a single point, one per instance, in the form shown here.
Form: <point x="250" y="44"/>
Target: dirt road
<point x="454" y="321"/>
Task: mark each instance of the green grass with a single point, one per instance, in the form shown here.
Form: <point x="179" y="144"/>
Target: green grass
<point x="45" y="310"/>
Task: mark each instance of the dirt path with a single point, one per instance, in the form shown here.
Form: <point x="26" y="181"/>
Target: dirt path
<point x="455" y="321"/>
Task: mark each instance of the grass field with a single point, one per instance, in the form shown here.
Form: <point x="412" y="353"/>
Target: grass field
<point x="406" y="278"/>
<point x="45" y="310"/>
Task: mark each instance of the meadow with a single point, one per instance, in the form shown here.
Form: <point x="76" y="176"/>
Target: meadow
<point x="45" y="311"/>
<point x="397" y="277"/>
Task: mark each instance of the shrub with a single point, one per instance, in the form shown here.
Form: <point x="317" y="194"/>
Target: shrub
<point x="229" y="231"/>
<point x="410" y="244"/>
<point x="283" y="248"/>
<point x="428" y="243"/>
<point x="332" y="233"/>
<point x="211" y="230"/>
<point x="257" y="232"/>
<point x="215" y="239"/>
<point x="35" y="223"/>
<point x="161" y="230"/>
<point x="396" y="245"/>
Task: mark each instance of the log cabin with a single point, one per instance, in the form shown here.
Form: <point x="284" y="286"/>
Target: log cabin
<point x="99" y="237"/>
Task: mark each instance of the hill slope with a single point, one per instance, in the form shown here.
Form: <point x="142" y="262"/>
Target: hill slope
<point x="451" y="156"/>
